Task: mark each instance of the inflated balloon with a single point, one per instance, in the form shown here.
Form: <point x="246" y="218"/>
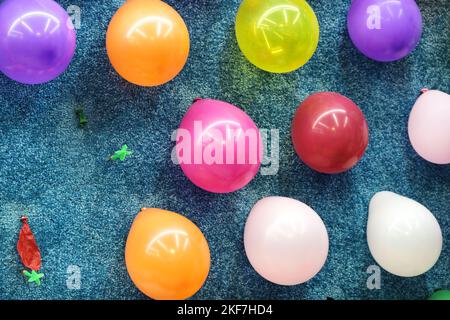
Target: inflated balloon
<point x="429" y="126"/>
<point x="147" y="42"/>
<point x="385" y="30"/>
<point x="329" y="132"/>
<point x="277" y="35"/>
<point x="285" y="240"/>
<point x="440" y="295"/>
<point x="166" y="255"/>
<point x="37" y="40"/>
<point x="218" y="146"/>
<point x="404" y="237"/>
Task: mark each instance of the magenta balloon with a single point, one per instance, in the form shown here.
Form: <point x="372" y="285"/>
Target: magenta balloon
<point x="385" y="30"/>
<point x="37" y="40"/>
<point x="219" y="147"/>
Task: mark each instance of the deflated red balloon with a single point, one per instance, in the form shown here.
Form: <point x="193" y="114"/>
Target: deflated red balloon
<point x="27" y="247"/>
<point x="329" y="132"/>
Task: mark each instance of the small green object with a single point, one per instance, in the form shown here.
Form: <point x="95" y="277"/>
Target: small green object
<point x="33" y="276"/>
<point x="81" y="117"/>
<point x="440" y="295"/>
<point x="121" y="154"/>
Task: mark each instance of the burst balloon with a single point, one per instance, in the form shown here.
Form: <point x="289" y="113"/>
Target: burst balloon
<point x="277" y="35"/>
<point x="147" y="42"/>
<point x="37" y="40"/>
<point x="385" y="30"/>
<point x="329" y="132"/>
<point x="166" y="255"/>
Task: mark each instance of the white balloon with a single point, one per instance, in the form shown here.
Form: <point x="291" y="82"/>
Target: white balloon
<point x="404" y="237"/>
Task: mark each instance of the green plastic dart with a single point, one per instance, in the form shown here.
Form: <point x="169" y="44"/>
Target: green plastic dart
<point x="33" y="276"/>
<point x="81" y="117"/>
<point x="121" y="154"/>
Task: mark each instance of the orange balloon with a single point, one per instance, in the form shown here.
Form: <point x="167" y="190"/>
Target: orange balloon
<point x="147" y="42"/>
<point x="167" y="255"/>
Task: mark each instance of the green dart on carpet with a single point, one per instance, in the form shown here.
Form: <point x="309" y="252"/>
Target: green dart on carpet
<point x="121" y="154"/>
<point x="33" y="276"/>
<point x="82" y="119"/>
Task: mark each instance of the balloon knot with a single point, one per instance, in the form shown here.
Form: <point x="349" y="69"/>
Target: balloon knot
<point x="424" y="90"/>
<point x="23" y="219"/>
<point x="197" y="99"/>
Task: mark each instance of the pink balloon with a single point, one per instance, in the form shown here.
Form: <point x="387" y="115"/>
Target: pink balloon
<point x="429" y="126"/>
<point x="285" y="240"/>
<point x="219" y="147"/>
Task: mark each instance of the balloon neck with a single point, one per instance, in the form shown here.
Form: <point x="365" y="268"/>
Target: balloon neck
<point x="424" y="90"/>
<point x="197" y="99"/>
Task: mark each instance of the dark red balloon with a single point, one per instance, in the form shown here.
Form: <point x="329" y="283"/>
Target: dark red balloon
<point x="329" y="132"/>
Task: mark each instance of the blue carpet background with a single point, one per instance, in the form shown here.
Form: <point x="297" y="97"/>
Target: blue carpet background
<point x="81" y="205"/>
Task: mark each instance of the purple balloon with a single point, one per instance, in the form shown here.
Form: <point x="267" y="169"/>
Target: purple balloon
<point x="385" y="30"/>
<point x="37" y="40"/>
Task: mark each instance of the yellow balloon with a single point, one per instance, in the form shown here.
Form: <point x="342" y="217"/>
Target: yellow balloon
<point x="278" y="36"/>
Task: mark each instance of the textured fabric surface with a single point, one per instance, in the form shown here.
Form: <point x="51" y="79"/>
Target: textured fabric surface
<point x="81" y="206"/>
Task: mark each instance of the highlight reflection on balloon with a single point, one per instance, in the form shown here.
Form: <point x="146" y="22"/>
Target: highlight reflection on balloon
<point x="285" y="240"/>
<point x="147" y="42"/>
<point x="277" y="35"/>
<point x="404" y="237"/>
<point x="166" y="255"/>
<point x="37" y="40"/>
<point x="385" y="30"/>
